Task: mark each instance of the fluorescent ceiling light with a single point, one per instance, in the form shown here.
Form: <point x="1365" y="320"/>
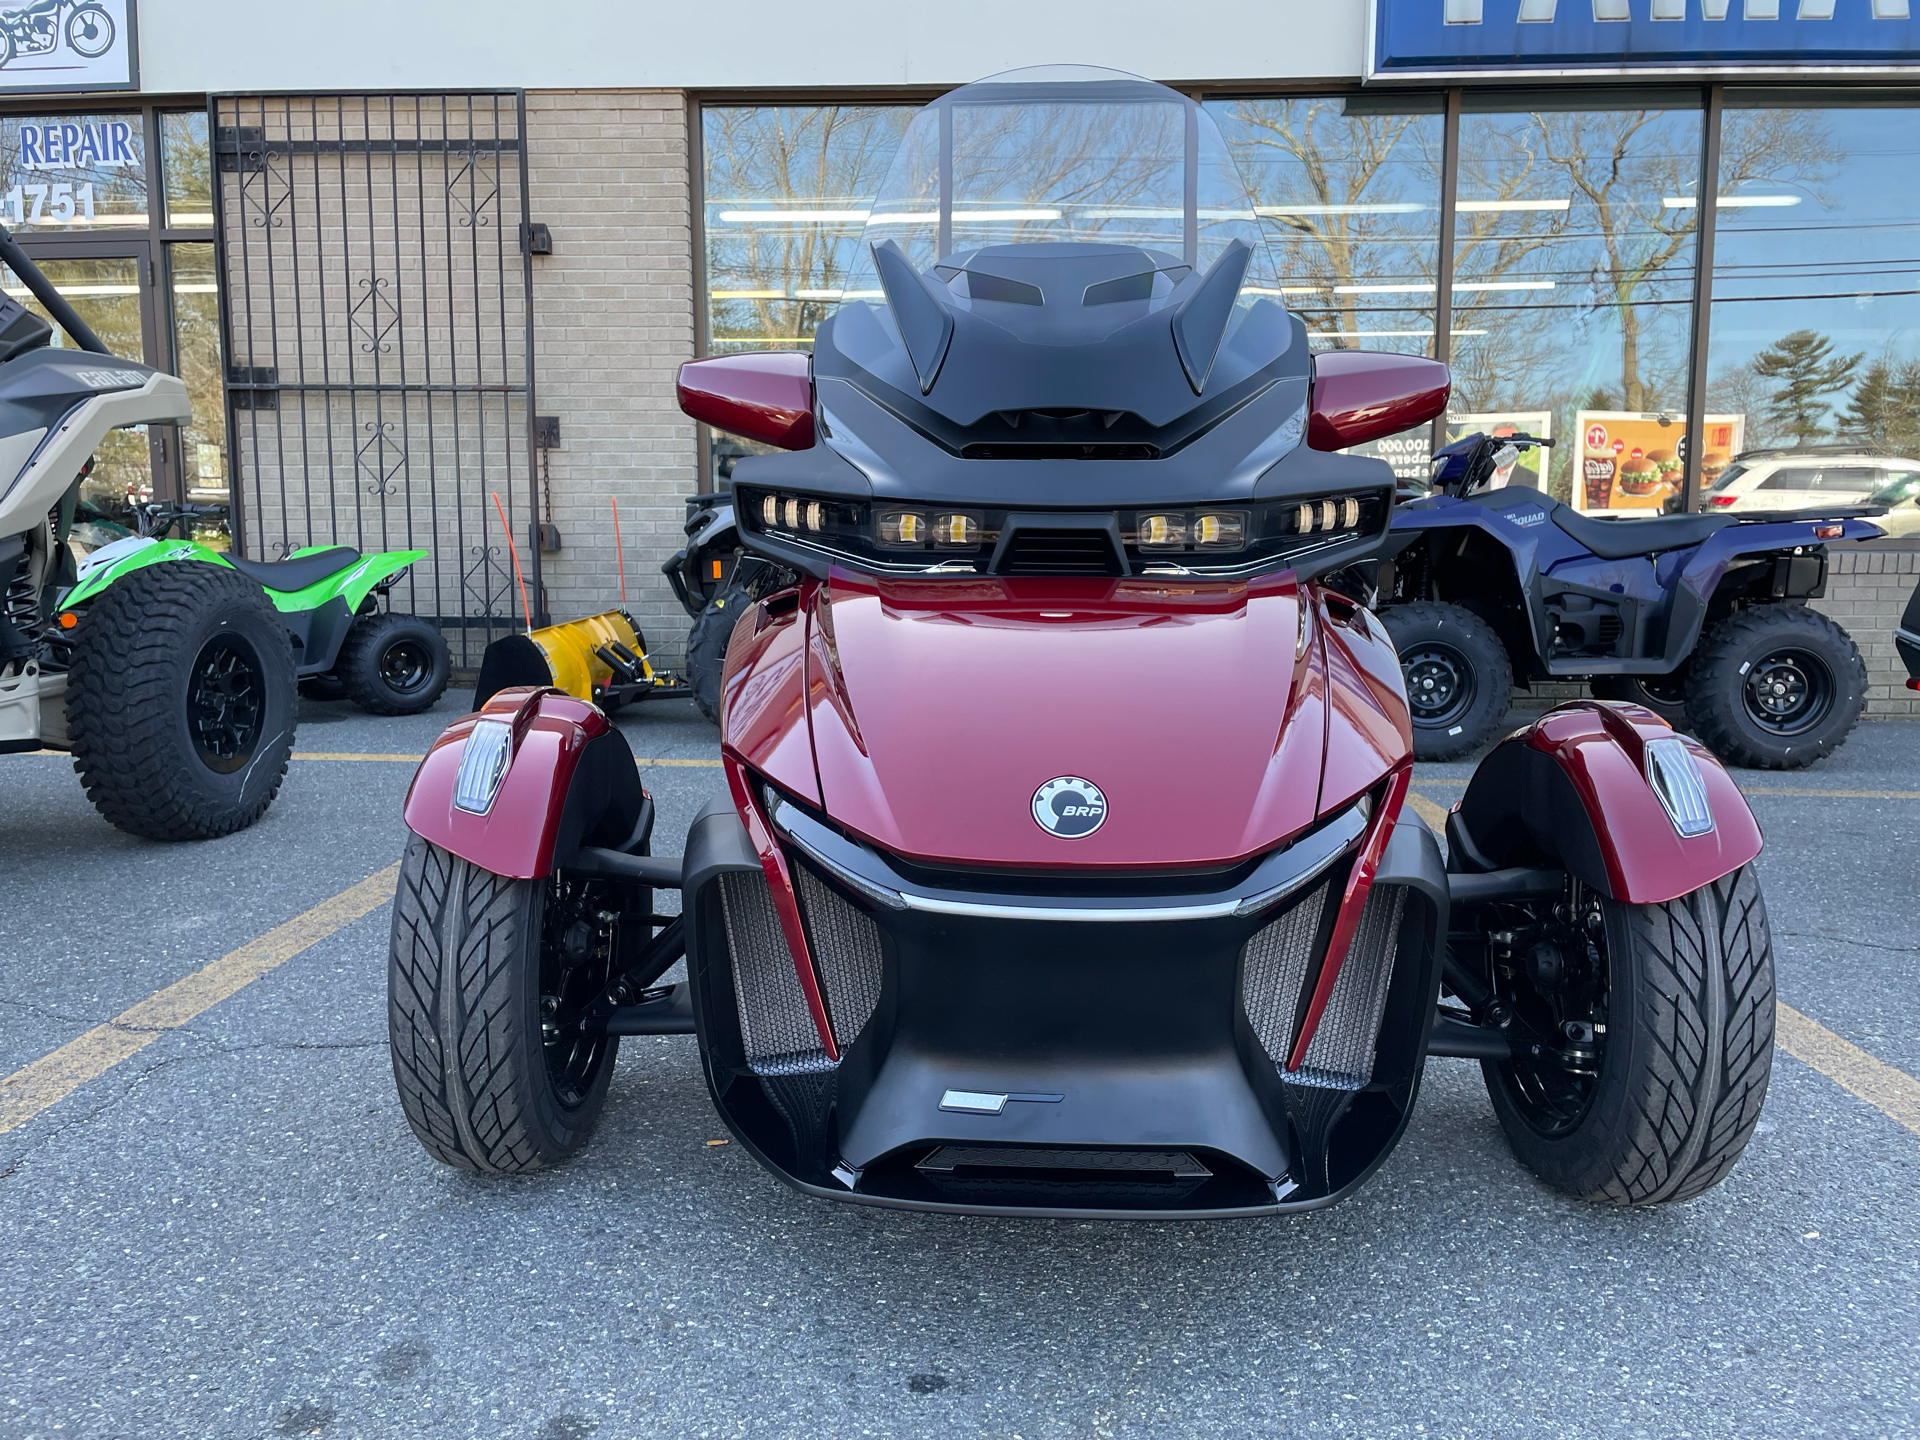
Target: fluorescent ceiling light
<point x="794" y="217"/>
<point x="1429" y="289"/>
<point x="1727" y="202"/>
<point x="1380" y="334"/>
<point x="749" y="294"/>
<point x="187" y="222"/>
<point x="1280" y="290"/>
<point x="82" y="290"/>
<point x="184" y="289"/>
<point x="816" y="294"/>
<point x="1499" y="205"/>
<point x="1503" y="284"/>
<point x="765" y="339"/>
<point x="1383" y="289"/>
<point x="972" y="216"/>
<point x="1384" y="208"/>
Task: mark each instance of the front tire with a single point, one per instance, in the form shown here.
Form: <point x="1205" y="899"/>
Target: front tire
<point x="89" y="31"/>
<point x="488" y="980"/>
<point x="393" y="664"/>
<point x="707" y="647"/>
<point x="180" y="703"/>
<point x="1459" y="679"/>
<point x="1775" y="687"/>
<point x="1669" y="1074"/>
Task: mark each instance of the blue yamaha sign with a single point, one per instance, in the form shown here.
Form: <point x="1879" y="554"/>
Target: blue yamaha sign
<point x="1505" y="37"/>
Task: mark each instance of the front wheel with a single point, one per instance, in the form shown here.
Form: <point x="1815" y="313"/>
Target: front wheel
<point x="1643" y="1039"/>
<point x="180" y="703"/>
<point x="707" y="646"/>
<point x="1459" y="679"/>
<point x="89" y="31"/>
<point x="490" y="984"/>
<point x="393" y="664"/>
<point x="1775" y="687"/>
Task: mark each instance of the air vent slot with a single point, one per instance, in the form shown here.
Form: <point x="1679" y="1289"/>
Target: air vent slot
<point x="1058" y="552"/>
<point x="1059" y="450"/>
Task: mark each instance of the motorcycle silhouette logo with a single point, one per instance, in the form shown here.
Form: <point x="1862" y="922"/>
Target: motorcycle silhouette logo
<point x="37" y="29"/>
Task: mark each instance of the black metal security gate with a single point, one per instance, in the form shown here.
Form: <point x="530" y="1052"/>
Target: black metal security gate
<point x="377" y="317"/>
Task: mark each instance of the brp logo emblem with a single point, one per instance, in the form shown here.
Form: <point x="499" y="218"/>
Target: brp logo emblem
<point x="1069" y="807"/>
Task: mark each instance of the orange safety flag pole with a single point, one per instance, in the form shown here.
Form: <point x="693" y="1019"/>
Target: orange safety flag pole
<point x="514" y="550"/>
<point x="619" y="557"/>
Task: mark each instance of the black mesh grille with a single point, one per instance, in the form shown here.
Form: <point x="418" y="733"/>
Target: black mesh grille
<point x="1341" y="1051"/>
<point x="846" y="953"/>
<point x="776" y="1028"/>
<point x="1274" y="968"/>
<point x="1060" y="552"/>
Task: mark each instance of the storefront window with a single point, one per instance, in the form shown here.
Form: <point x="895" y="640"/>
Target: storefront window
<point x="1349" y="191"/>
<point x="196" y="351"/>
<point x="1573" y="283"/>
<point x="1814" y="342"/>
<point x="786" y="190"/>
<point x="73" y="173"/>
<point x="186" y="168"/>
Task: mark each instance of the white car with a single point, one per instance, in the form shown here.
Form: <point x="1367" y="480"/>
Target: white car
<point x="1902" y="499"/>
<point x="1806" y="478"/>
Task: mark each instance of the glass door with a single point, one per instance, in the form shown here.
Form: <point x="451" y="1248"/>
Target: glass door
<point x="110" y="290"/>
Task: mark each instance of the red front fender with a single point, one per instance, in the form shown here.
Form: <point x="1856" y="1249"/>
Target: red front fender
<point x="570" y="780"/>
<point x="1573" y="789"/>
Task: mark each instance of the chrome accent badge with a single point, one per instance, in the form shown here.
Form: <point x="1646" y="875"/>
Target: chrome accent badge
<point x="1675" y="777"/>
<point x="1069" y="808"/>
<point x="483" y="765"/>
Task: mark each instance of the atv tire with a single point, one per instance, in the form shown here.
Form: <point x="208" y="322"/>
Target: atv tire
<point x="1459" y="679"/>
<point x="482" y="1084"/>
<point x="1683" y="1069"/>
<point x="1665" y="695"/>
<point x="180" y="702"/>
<point x="393" y="664"/>
<point x="707" y="647"/>
<point x="1775" y="687"/>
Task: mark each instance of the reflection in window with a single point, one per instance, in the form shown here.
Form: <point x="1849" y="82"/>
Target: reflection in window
<point x="73" y="172"/>
<point x="186" y="169"/>
<point x="785" y="191"/>
<point x="1349" y="192"/>
<point x="1573" y="280"/>
<point x="1815" y="333"/>
<point x="194" y="295"/>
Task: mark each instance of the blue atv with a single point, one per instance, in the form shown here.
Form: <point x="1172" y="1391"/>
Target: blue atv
<point x="1701" y="618"/>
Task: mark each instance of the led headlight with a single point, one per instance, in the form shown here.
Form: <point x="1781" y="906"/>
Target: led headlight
<point x="956" y="532"/>
<point x="902" y="529"/>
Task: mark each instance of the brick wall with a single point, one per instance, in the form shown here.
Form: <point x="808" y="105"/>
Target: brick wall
<point x="614" y="308"/>
<point x="1867" y="588"/>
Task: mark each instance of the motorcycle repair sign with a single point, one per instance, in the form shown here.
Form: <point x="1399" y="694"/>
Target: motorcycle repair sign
<point x="1632" y="460"/>
<point x="68" y="45"/>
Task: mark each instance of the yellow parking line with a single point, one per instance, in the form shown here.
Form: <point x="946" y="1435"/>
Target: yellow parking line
<point x="1434" y="815"/>
<point x="1894" y="1093"/>
<point x="53" y="1077"/>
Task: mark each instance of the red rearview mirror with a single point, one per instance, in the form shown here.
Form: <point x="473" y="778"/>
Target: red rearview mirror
<point x="766" y="397"/>
<point x="1361" y="395"/>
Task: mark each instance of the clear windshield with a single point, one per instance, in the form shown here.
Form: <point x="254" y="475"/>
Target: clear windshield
<point x="1067" y="154"/>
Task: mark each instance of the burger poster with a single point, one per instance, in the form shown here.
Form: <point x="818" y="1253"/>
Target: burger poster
<point x="1634" y="461"/>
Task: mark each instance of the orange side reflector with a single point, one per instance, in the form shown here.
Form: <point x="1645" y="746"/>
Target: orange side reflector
<point x="716" y="569"/>
<point x="69" y="620"/>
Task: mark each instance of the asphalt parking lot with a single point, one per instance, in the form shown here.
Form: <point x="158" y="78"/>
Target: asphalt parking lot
<point x="231" y="1232"/>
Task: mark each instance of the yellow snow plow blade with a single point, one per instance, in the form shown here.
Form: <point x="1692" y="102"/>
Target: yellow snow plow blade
<point x="601" y="658"/>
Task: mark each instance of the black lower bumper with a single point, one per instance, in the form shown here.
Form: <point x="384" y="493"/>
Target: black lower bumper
<point x="1003" y="1065"/>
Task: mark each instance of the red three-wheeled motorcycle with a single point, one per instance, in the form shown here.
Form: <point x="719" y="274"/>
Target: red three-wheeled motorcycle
<point x="1065" y="863"/>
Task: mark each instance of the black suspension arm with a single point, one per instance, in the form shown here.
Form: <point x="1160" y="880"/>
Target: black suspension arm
<point x="43" y="291"/>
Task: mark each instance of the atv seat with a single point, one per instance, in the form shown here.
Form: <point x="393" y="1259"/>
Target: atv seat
<point x="298" y="573"/>
<point x="1623" y="539"/>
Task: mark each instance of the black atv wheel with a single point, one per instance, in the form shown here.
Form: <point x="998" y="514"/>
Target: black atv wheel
<point x="180" y="702"/>
<point x="323" y="687"/>
<point x="1665" y="695"/>
<point x="1775" y="687"/>
<point x="1459" y="679"/>
<point x="393" y="664"/>
<point x="1640" y="1065"/>
<point x="489" y="981"/>
<point x="707" y="647"/>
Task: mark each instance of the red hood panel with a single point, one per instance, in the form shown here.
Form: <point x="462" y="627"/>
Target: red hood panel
<point x="940" y="707"/>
